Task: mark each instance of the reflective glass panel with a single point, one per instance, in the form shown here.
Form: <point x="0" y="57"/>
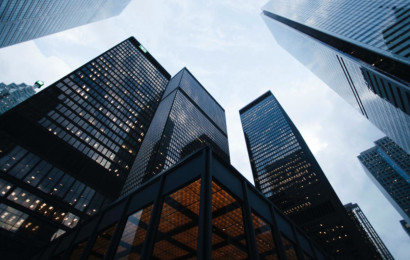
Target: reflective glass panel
<point x="228" y="234"/>
<point x="133" y="237"/>
<point x="289" y="249"/>
<point x="78" y="250"/>
<point x="101" y="243"/>
<point x="264" y="239"/>
<point x="177" y="234"/>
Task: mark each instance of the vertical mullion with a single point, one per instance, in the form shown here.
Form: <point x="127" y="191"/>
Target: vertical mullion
<point x="276" y="235"/>
<point x="298" y="248"/>
<point x="112" y="246"/>
<point x="205" y="209"/>
<point x="249" y="229"/>
<point x="148" y="246"/>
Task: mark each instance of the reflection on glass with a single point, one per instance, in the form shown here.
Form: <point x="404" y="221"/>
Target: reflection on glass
<point x="78" y="250"/>
<point x="101" y="243"/>
<point x="264" y="239"/>
<point x="178" y="228"/>
<point x="228" y="234"/>
<point x="11" y="219"/>
<point x="133" y="237"/>
<point x="289" y="249"/>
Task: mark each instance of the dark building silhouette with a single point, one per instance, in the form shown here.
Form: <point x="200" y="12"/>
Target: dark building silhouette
<point x="201" y="208"/>
<point x="66" y="151"/>
<point x="388" y="166"/>
<point x="405" y="226"/>
<point x="286" y="172"/>
<point x="26" y="20"/>
<point x="187" y="119"/>
<point x="369" y="235"/>
<point x="359" y="49"/>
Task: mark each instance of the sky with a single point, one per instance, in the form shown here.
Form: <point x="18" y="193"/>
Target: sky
<point x="228" y="48"/>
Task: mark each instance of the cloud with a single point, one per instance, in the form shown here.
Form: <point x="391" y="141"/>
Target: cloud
<point x="25" y="63"/>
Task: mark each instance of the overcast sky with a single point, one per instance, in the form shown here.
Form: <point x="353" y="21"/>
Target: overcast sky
<point x="229" y="49"/>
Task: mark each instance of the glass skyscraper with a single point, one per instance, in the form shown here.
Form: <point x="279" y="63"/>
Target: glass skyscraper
<point x="201" y="208"/>
<point x="285" y="171"/>
<point x="25" y="20"/>
<point x="367" y="231"/>
<point x="67" y="151"/>
<point x="388" y="166"/>
<point x="187" y="118"/>
<point x="11" y="95"/>
<point x="360" y="49"/>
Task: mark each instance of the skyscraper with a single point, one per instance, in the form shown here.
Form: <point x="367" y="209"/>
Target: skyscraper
<point x="201" y="208"/>
<point x="388" y="166"/>
<point x="360" y="49"/>
<point x="66" y="151"/>
<point x="187" y="118"/>
<point x="367" y="231"/>
<point x="26" y="20"/>
<point x="285" y="171"/>
<point x="11" y="95"/>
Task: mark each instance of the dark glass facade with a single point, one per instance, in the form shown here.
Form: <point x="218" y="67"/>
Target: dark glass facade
<point x="66" y="151"/>
<point x="287" y="173"/>
<point x="11" y="95"/>
<point x="201" y="208"/>
<point x="187" y="118"/>
<point x="26" y="20"/>
<point x="388" y="166"/>
<point x="367" y="231"/>
<point x="406" y="226"/>
<point x="361" y="50"/>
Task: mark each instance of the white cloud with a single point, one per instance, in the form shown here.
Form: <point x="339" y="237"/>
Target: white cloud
<point x="226" y="45"/>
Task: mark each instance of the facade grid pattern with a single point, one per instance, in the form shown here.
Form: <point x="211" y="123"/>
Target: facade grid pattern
<point x="360" y="50"/>
<point x="286" y="172"/>
<point x="92" y="122"/>
<point x="201" y="208"/>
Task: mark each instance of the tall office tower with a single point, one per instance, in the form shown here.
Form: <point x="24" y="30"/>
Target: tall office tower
<point x="202" y="208"/>
<point x="406" y="226"/>
<point x="11" y="95"/>
<point x="66" y="151"/>
<point x="187" y="118"/>
<point x="285" y="171"/>
<point x="388" y="166"/>
<point x="361" y="49"/>
<point x="367" y="231"/>
<point x="26" y="20"/>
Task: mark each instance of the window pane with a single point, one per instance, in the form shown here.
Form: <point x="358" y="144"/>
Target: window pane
<point x="228" y="234"/>
<point x="289" y="249"/>
<point x="133" y="237"/>
<point x="78" y="250"/>
<point x="177" y="234"/>
<point x="101" y="243"/>
<point x="264" y="239"/>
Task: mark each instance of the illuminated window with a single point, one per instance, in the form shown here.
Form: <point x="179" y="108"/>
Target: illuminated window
<point x="228" y="234"/>
<point x="178" y="228"/>
<point x="133" y="236"/>
<point x="78" y="250"/>
<point x="264" y="239"/>
<point x="101" y="243"/>
<point x="289" y="249"/>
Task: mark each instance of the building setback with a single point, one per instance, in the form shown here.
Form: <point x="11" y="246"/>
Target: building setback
<point x="367" y="231"/>
<point x="200" y="208"/>
<point x="388" y="166"/>
<point x="66" y="151"/>
<point x="286" y="172"/>
<point x="26" y="20"/>
<point x="359" y="49"/>
<point x="187" y="118"/>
